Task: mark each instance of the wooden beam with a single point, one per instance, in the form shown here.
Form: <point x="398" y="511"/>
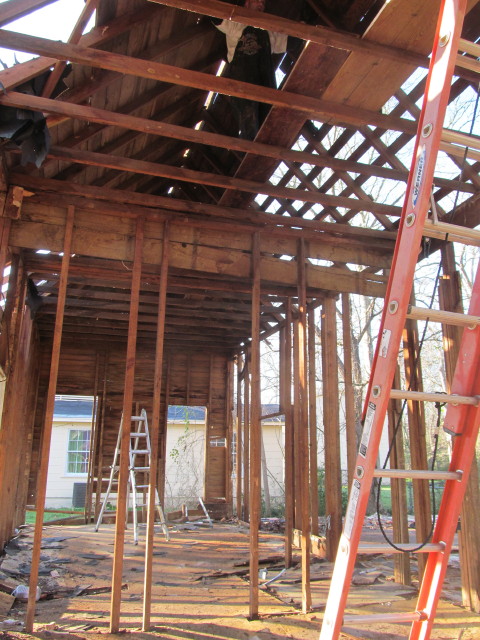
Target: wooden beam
<point x="154" y="433"/>
<point x="125" y="439"/>
<point x="18" y="74"/>
<point x="48" y="423"/>
<point x="317" y="33"/>
<point x="191" y="135"/>
<point x="156" y="207"/>
<point x="255" y="429"/>
<point x="75" y="36"/>
<point x="314" y="108"/>
<point x="16" y="9"/>
<point x="119" y="163"/>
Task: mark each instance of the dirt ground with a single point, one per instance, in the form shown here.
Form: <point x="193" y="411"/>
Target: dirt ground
<point x="197" y="592"/>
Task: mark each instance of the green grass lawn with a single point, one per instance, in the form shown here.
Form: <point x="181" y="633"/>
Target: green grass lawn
<point x="30" y="516"/>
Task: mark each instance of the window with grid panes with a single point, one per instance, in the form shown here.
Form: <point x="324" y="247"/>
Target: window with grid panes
<point x="78" y="450"/>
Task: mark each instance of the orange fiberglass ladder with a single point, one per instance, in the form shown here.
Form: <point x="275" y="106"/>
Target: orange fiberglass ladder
<point x="463" y="413"/>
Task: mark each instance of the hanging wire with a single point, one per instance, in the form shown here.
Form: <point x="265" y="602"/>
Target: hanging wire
<point x="438" y="405"/>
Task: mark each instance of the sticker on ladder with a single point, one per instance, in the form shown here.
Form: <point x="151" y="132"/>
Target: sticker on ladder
<point x="418" y="179"/>
<point x="385" y="342"/>
<point x="351" y="509"/>
<point x="367" y="428"/>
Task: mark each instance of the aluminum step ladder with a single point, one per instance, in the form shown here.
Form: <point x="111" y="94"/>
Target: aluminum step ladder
<point x="463" y="414"/>
<point x="139" y="462"/>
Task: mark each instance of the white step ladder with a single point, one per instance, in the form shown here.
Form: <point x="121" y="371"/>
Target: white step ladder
<point x="139" y="446"/>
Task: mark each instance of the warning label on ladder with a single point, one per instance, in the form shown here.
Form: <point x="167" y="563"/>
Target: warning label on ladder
<point x="351" y="509"/>
<point x="367" y="429"/>
<point x="418" y="176"/>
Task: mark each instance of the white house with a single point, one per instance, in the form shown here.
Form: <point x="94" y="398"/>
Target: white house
<point x="69" y="451"/>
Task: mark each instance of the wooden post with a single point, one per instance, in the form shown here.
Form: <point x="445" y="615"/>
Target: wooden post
<point x="246" y="439"/>
<point x="229" y="434"/>
<point x="416" y="427"/>
<point x="48" y="421"/>
<point x="303" y="426"/>
<point x="163" y="436"/>
<point x="398" y="489"/>
<point x="93" y="443"/>
<point x="469" y="534"/>
<point x="296" y="420"/>
<point x="155" y="431"/>
<point x="255" y="426"/>
<point x="312" y="418"/>
<point x="239" y="443"/>
<point x="127" y="424"/>
<point x="100" y="445"/>
<point x="350" y="418"/>
<point x="333" y="474"/>
<point x="287" y="409"/>
<point x="5" y="224"/>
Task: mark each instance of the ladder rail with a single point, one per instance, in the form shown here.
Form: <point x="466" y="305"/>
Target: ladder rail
<point x="414" y="213"/>
<point x="463" y="452"/>
<point x="113" y="471"/>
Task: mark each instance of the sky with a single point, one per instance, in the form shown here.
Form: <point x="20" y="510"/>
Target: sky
<point x="54" y="22"/>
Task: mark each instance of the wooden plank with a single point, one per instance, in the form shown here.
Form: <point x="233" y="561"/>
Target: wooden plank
<point x="314" y="108"/>
<point x="48" y="423"/>
<point x="155" y="432"/>
<point x="125" y="440"/>
<point x="255" y="427"/>
<point x="303" y="427"/>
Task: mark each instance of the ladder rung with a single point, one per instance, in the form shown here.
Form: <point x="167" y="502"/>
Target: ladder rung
<point x="419" y="396"/>
<point x="417" y="474"/>
<point x="142" y="486"/>
<point x="455" y="232"/>
<point x="136" y="434"/>
<point x="385" y="617"/>
<point x="402" y="547"/>
<point x="140" y="451"/>
<point x="140" y="469"/>
<point x="469" y="47"/>
<point x="445" y="317"/>
<point x="137" y="419"/>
